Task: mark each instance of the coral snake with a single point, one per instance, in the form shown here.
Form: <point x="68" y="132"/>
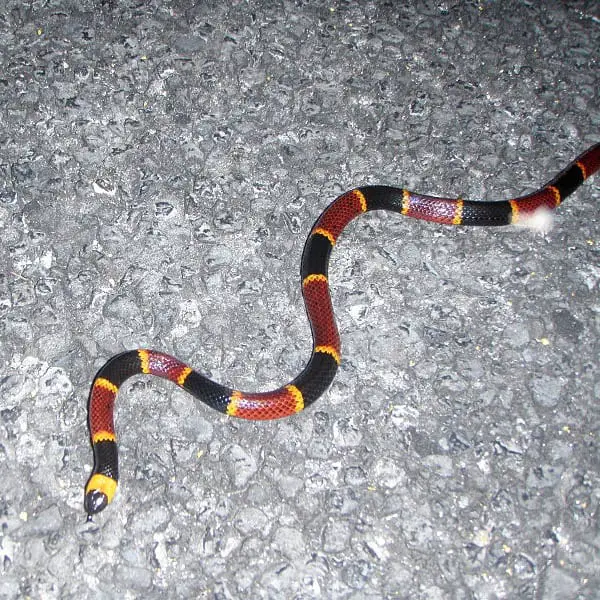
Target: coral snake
<point x="325" y="358"/>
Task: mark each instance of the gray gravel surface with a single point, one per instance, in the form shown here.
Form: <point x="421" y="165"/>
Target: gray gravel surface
<point x="161" y="164"/>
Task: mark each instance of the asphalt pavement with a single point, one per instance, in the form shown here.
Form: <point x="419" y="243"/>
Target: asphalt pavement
<point x="161" y="164"/>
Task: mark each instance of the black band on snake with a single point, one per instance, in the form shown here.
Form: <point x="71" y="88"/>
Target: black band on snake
<point x="321" y="368"/>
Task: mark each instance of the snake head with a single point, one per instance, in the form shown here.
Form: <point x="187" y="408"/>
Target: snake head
<point x="99" y="492"/>
<point x="94" y="502"/>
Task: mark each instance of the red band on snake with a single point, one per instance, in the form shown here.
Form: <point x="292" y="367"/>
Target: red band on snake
<point x="321" y="368"/>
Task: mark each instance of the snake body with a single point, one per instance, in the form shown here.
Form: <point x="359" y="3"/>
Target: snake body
<point x="321" y="368"/>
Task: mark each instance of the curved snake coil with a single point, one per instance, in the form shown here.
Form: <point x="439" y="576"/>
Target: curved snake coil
<point x="326" y="354"/>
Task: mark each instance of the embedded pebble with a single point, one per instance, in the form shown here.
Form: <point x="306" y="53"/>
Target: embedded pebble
<point x="516" y="335"/>
<point x="290" y="542"/>
<point x="439" y="464"/>
<point x="547" y="390"/>
<point x="336" y="536"/>
<point x="558" y="585"/>
<point x="240" y="465"/>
